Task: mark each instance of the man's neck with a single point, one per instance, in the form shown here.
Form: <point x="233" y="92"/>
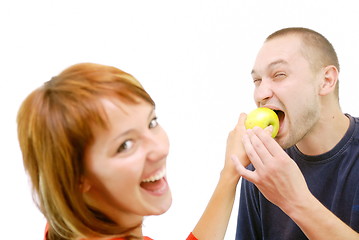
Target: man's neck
<point x="325" y="135"/>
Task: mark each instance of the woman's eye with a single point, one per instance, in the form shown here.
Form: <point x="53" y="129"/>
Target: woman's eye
<point x="125" y="146"/>
<point x="153" y="123"/>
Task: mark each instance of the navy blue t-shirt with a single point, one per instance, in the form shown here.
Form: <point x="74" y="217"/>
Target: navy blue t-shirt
<point x="332" y="177"/>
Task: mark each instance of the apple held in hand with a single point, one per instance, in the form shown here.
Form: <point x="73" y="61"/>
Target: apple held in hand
<point x="263" y="117"/>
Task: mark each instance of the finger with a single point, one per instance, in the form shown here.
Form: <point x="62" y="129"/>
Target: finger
<point x="241" y="120"/>
<point x="239" y="128"/>
<point x="250" y="149"/>
<point x="234" y="141"/>
<point x="245" y="173"/>
<point x="269" y="143"/>
<point x="259" y="147"/>
<point x="269" y="130"/>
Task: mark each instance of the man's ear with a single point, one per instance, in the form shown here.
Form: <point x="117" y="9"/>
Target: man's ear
<point x="85" y="185"/>
<point x="329" y="80"/>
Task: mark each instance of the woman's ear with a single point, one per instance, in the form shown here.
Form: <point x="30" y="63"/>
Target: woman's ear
<point x="329" y="80"/>
<point x="85" y="185"/>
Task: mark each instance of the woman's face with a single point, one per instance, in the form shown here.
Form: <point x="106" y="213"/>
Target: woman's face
<point x="125" y="167"/>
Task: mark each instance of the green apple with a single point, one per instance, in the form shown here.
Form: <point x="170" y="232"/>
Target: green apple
<point x="263" y="117"/>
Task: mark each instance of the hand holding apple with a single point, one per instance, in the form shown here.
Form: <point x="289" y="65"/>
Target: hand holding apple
<point x="263" y="117"/>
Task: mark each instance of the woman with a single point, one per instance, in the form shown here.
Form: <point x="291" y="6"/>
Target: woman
<point x="96" y="157"/>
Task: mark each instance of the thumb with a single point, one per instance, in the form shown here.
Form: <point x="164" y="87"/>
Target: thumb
<point x="238" y="165"/>
<point x="269" y="129"/>
<point x="243" y="172"/>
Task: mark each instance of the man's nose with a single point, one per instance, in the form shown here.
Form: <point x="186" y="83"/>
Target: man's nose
<point x="263" y="92"/>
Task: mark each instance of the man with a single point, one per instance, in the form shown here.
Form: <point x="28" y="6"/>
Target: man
<point x="309" y="190"/>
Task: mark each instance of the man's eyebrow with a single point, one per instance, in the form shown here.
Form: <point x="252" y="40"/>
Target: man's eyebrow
<point x="273" y="64"/>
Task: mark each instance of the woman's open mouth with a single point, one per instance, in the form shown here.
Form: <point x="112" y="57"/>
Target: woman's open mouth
<point x="156" y="184"/>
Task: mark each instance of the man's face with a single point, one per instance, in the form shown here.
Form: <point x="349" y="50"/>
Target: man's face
<point x="284" y="81"/>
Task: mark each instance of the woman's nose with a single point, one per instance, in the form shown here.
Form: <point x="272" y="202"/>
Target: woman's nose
<point x="157" y="146"/>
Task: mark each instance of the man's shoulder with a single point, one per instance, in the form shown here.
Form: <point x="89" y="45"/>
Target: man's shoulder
<point x="353" y="130"/>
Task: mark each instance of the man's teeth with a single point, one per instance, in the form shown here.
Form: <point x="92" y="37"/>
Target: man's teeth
<point x="156" y="177"/>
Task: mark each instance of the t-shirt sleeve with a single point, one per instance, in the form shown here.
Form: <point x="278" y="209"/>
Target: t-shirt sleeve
<point x="46" y="230"/>
<point x="191" y="237"/>
<point x="354" y="220"/>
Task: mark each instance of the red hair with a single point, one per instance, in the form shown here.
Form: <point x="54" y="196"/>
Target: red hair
<point x="55" y="128"/>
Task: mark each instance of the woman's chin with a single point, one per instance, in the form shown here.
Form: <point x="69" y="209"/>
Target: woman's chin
<point x="163" y="205"/>
<point x="158" y="195"/>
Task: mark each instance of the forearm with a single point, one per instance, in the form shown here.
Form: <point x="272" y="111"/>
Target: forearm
<point x="214" y="221"/>
<point x="318" y="223"/>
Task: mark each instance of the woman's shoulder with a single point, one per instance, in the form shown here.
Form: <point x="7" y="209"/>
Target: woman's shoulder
<point x="47" y="229"/>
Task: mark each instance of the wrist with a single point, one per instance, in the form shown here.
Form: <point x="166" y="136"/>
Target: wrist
<point x="229" y="176"/>
<point x="302" y="207"/>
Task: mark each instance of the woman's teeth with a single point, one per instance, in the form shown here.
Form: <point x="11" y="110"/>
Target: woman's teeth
<point x="156" y="177"/>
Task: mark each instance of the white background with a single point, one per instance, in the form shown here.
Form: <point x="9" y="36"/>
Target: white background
<point x="194" y="58"/>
